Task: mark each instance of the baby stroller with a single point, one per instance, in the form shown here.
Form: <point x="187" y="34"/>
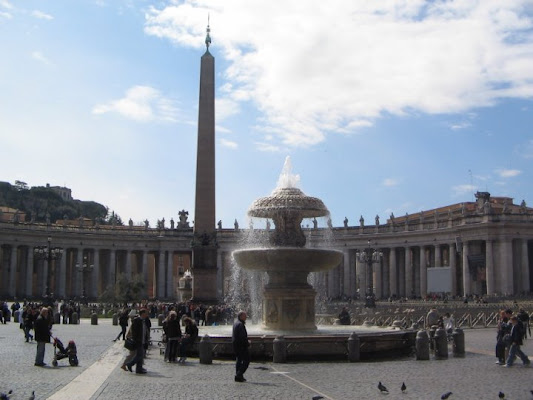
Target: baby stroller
<point x="61" y="352"/>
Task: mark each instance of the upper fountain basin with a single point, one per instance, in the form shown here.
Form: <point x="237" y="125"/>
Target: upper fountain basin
<point x="288" y="200"/>
<point x="288" y="259"/>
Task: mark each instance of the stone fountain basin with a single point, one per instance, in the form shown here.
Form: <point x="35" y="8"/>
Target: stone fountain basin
<point x="294" y="259"/>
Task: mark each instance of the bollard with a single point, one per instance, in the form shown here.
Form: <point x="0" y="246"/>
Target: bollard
<point x="441" y="344"/>
<point x="422" y="345"/>
<point x="431" y="337"/>
<point x="57" y="318"/>
<point x="7" y="316"/>
<point x="94" y="319"/>
<point x="115" y="319"/>
<point x="354" y="345"/>
<point x="280" y="350"/>
<point x="205" y="350"/>
<point x="458" y="342"/>
<point x="16" y="316"/>
<point x="74" y="319"/>
<point x="160" y="319"/>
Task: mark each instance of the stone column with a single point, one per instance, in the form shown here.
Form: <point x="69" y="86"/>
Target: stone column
<point x="43" y="273"/>
<point x="161" y="276"/>
<point x="12" y="289"/>
<point x="401" y="275"/>
<point x="348" y="274"/>
<point x="408" y="273"/>
<point x="489" y="264"/>
<point x="466" y="270"/>
<point x="145" y="271"/>
<point x="423" y="273"/>
<point x="29" y="272"/>
<point x="377" y="280"/>
<point x="385" y="273"/>
<point x="525" y="267"/>
<point x="170" y="276"/>
<point x="112" y="268"/>
<point x="127" y="270"/>
<point x="95" y="278"/>
<point x="77" y="273"/>
<point x="453" y="266"/>
<point x="393" y="273"/>
<point x="62" y="279"/>
<point x="506" y="270"/>
<point x="438" y="256"/>
<point x="360" y="269"/>
<point x="220" y="275"/>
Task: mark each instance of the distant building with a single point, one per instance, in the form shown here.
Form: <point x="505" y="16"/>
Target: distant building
<point x="64" y="192"/>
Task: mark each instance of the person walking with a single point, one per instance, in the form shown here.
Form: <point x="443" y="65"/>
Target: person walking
<point x="516" y="336"/>
<point x="140" y="336"/>
<point x="42" y="336"/>
<point x="241" y="346"/>
<point x="123" y="322"/>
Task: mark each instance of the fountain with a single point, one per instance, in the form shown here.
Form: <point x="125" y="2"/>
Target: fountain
<point x="288" y="300"/>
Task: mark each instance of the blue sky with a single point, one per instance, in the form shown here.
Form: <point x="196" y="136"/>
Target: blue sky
<point x="390" y="106"/>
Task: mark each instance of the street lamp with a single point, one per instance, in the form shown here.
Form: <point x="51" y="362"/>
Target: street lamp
<point x="49" y="254"/>
<point x="83" y="268"/>
<point x="369" y="257"/>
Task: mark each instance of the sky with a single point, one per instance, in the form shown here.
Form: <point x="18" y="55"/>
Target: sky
<point x="391" y="106"/>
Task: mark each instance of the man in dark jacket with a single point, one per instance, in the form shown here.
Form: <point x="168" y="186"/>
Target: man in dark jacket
<point x="42" y="336"/>
<point x="139" y="333"/>
<point x="516" y="335"/>
<point x="241" y="346"/>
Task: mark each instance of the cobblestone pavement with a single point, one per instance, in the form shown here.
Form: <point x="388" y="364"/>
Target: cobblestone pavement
<point x="473" y="377"/>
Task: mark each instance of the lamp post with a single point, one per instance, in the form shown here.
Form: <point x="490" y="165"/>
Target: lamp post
<point x="48" y="253"/>
<point x="369" y="257"/>
<point x="83" y="268"/>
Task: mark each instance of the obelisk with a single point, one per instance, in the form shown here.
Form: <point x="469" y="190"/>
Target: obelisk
<point x="204" y="246"/>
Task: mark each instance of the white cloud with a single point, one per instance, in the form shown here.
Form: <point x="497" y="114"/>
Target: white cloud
<point x="390" y="182"/>
<point x="5" y="15"/>
<point x="41" y="15"/>
<point x="141" y="103"/>
<point x="221" y="129"/>
<point x="37" y="55"/>
<point x="461" y="190"/>
<point x="397" y="57"/>
<point x="6" y="4"/>
<point x="508" y="173"/>
<point x="225" y="107"/>
<point x="267" y="147"/>
<point x="229" y="144"/>
<point x="460" y="125"/>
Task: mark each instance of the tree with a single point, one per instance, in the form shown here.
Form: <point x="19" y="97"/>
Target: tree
<point x="21" y="185"/>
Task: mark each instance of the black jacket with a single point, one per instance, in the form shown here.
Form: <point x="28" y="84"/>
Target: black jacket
<point x="137" y="330"/>
<point x="240" y="336"/>
<point x="516" y="334"/>
<point x="42" y="329"/>
<point x="172" y="328"/>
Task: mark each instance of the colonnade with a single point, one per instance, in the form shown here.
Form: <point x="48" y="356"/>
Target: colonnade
<point x="83" y="271"/>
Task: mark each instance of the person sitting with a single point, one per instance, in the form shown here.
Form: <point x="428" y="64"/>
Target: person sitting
<point x="344" y="317"/>
<point x="191" y="333"/>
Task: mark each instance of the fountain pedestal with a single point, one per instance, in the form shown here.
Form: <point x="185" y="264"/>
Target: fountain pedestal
<point x="289" y="309"/>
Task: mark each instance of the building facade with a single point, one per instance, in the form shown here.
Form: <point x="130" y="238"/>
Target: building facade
<point x="474" y="248"/>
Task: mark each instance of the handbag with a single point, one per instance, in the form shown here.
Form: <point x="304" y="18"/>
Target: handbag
<point x="129" y="344"/>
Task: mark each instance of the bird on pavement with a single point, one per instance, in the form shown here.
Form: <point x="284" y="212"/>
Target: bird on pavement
<point x="317" y="397"/>
<point x="32" y="397"/>
<point x="262" y="368"/>
<point x="501" y="395"/>
<point x="4" y="396"/>
<point x="382" y="388"/>
<point x="446" y="395"/>
<point x="404" y="388"/>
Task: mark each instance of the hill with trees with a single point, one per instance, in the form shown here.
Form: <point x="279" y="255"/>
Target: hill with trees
<point x="38" y="201"/>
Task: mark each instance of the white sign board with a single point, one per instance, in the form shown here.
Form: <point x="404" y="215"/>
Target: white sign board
<point x="439" y="280"/>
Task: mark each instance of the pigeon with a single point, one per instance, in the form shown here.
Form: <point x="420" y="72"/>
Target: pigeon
<point x="501" y="395"/>
<point x="4" y="396"/>
<point x="446" y="395"/>
<point x="32" y="397"/>
<point x="404" y="388"/>
<point x="317" y="397"/>
<point x="262" y="368"/>
<point x="382" y="388"/>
